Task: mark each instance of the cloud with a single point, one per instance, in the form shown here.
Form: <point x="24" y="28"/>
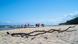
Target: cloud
<point x="8" y="21"/>
<point x="71" y="15"/>
<point x="74" y="13"/>
<point x="5" y="22"/>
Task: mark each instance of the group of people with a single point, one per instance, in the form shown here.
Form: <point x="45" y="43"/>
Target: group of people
<point x="39" y="25"/>
<point x="36" y="25"/>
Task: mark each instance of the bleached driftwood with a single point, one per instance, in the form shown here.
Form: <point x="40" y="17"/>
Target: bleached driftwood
<point x="39" y="32"/>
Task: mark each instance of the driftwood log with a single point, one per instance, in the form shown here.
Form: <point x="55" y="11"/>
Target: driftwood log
<point x="40" y="32"/>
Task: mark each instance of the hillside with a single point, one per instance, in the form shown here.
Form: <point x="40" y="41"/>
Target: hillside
<point x="69" y="22"/>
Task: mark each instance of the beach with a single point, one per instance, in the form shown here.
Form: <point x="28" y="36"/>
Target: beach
<point x="59" y="35"/>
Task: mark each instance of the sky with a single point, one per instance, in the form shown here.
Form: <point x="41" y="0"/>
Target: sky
<point x="37" y="11"/>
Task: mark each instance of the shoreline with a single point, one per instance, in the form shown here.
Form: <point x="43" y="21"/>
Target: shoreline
<point x="49" y="37"/>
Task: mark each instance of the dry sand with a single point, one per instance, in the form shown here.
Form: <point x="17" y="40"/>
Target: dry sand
<point x="47" y="38"/>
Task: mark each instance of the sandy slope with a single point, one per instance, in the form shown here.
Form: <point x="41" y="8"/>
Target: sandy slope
<point x="47" y="38"/>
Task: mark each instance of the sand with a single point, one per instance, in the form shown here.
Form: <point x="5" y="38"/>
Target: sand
<point x="70" y="37"/>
